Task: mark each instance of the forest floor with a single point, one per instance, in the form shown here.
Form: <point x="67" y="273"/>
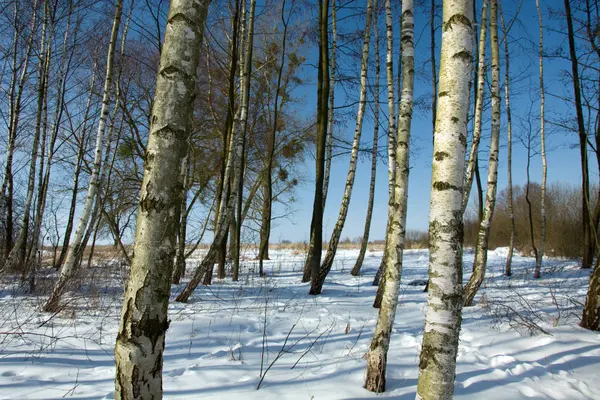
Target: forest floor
<point x="520" y="341"/>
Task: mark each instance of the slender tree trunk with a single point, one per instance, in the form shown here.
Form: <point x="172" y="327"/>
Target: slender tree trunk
<point x="76" y="174"/>
<point x="319" y="279"/>
<point x="377" y="355"/>
<point x="140" y="341"/>
<point x="179" y="269"/>
<point x="57" y="117"/>
<point x="330" y="116"/>
<point x="313" y="257"/>
<point x="234" y="161"/>
<point x="16" y="94"/>
<point x="323" y="86"/>
<point x="17" y="256"/>
<point x="511" y="211"/>
<point x="588" y="245"/>
<point x="476" y="279"/>
<point x="471" y="165"/>
<point x="75" y="250"/>
<point x="365" y="238"/>
<point x="437" y="366"/>
<point x="391" y="152"/>
<point x="528" y="200"/>
<point x="539" y="259"/>
<point x="265" y="228"/>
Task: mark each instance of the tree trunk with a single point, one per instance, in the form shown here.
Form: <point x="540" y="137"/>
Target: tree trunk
<point x="588" y="245"/>
<point x="476" y="279"/>
<point x="17" y="86"/>
<point x="511" y="211"/>
<point x="265" y="228"/>
<point x="471" y="165"/>
<point x="75" y="250"/>
<point x="313" y="262"/>
<point x="540" y="256"/>
<point x="391" y="151"/>
<point x="365" y="238"/>
<point x="179" y="269"/>
<point x="76" y="174"/>
<point x="318" y="280"/>
<point x="141" y="337"/>
<point x="330" y="116"/>
<point x="377" y="355"/>
<point x="437" y="366"/>
<point x="16" y="257"/>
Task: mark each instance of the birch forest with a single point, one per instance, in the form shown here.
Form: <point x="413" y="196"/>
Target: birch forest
<point x="300" y="199"/>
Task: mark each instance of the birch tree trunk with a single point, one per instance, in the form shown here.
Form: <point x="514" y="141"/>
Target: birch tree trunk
<point x="377" y="356"/>
<point x="511" y="210"/>
<point x="69" y="268"/>
<point x="389" y="67"/>
<point x="77" y="172"/>
<point x="330" y="116"/>
<point x="17" y="86"/>
<point x="179" y="268"/>
<point x="16" y="257"/>
<point x="57" y="117"/>
<point x="476" y="279"/>
<point x="473" y="154"/>
<point x="437" y="366"/>
<point x="265" y="228"/>
<point x="319" y="279"/>
<point x="140" y="341"/>
<point x="540" y="257"/>
<point x="313" y="261"/>
<point x="365" y="239"/>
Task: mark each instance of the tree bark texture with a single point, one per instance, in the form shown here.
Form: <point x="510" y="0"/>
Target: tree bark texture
<point x="437" y="365"/>
<point x="140" y="341"/>
<point x="377" y="356"/>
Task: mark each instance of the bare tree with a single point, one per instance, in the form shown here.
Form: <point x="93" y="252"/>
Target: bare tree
<point x="437" y="366"/>
<point x="140" y="341"/>
<point x="377" y="355"/>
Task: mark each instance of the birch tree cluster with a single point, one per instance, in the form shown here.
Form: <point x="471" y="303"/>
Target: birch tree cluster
<point x="162" y="126"/>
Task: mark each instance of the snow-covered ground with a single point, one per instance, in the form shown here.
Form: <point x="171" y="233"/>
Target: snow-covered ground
<point x="310" y="347"/>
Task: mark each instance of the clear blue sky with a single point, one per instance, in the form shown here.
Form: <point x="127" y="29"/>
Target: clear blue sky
<point x="563" y="159"/>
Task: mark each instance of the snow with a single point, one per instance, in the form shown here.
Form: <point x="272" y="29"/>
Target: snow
<point x="312" y="347"/>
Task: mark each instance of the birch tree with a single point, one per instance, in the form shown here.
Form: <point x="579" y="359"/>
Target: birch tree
<point x="509" y="139"/>
<point x="365" y="238"/>
<point x="377" y="356"/>
<point x="330" y="116"/>
<point x="391" y="142"/>
<point x="140" y="341"/>
<point x="481" y="72"/>
<point x="540" y="256"/>
<point x="318" y="280"/>
<point x="17" y="256"/>
<point x="75" y="250"/>
<point x="437" y="366"/>
<point x="492" y="182"/>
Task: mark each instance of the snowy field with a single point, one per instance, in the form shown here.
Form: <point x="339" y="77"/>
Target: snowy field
<point x="520" y="341"/>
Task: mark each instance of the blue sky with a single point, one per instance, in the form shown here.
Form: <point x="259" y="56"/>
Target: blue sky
<point x="563" y="158"/>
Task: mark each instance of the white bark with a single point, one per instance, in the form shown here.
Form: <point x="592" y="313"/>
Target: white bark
<point x="140" y="341"/>
<point x="471" y="164"/>
<point x="377" y="355"/>
<point x="437" y="364"/>
<point x="330" y="119"/>
<point x="492" y="183"/>
<point x="538" y="262"/>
